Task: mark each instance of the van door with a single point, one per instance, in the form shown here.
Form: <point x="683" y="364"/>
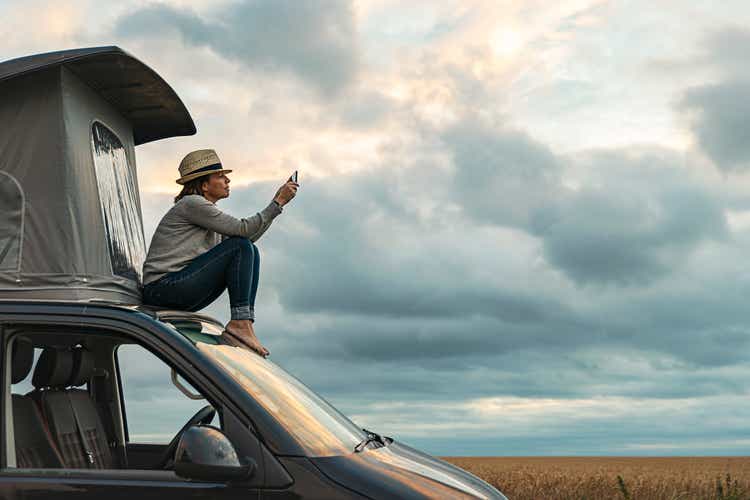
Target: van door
<point x="145" y="398"/>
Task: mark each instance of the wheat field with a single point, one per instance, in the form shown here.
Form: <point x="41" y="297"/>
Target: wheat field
<point x="637" y="478"/>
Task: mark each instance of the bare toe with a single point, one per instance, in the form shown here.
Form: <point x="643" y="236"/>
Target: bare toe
<point x="249" y="342"/>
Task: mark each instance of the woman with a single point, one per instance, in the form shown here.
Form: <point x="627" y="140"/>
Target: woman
<point x="198" y="251"/>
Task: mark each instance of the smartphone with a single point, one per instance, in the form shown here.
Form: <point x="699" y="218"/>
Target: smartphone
<point x="293" y="178"/>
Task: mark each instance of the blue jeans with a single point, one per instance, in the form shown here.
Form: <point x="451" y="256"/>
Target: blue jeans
<point x="234" y="264"/>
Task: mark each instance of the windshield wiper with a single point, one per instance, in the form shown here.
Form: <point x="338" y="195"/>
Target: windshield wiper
<point x="372" y="437"/>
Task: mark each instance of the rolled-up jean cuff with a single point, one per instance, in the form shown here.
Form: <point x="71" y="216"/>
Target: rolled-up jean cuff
<point x="243" y="312"/>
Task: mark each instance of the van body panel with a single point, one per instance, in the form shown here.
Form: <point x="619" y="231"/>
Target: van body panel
<point x="390" y="470"/>
<point x="399" y="471"/>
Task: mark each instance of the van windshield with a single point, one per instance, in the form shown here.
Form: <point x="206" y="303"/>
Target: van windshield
<point x="316" y="425"/>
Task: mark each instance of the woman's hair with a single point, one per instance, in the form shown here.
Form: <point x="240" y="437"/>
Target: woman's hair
<point x="191" y="187"/>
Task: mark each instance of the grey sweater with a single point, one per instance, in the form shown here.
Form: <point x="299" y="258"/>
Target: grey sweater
<point x="192" y="227"/>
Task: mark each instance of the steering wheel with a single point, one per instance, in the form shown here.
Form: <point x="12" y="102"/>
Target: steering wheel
<point x="202" y="417"/>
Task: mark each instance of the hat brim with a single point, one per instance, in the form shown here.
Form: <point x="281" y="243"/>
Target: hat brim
<point x="190" y="177"/>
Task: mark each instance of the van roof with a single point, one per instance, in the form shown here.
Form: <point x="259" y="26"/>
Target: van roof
<point x="134" y="89"/>
<point x="91" y="306"/>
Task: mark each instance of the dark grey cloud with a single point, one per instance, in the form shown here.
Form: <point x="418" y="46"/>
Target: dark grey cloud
<point x="616" y="350"/>
<point x="719" y="112"/>
<point x="500" y="175"/>
<point x="633" y="226"/>
<point x="627" y="228"/>
<point x="721" y="122"/>
<point x="316" y="41"/>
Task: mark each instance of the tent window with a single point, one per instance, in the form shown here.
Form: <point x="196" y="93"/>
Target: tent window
<point x="11" y="222"/>
<point x="119" y="198"/>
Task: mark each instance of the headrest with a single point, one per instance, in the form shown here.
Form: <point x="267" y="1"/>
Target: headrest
<point x="53" y="369"/>
<point x="23" y="358"/>
<point x="83" y="367"/>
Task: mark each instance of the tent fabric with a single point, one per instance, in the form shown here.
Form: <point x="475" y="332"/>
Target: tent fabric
<point x="132" y="88"/>
<point x="11" y="222"/>
<point x="71" y="197"/>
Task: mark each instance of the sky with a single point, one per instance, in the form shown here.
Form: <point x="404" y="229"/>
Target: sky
<point x="522" y="226"/>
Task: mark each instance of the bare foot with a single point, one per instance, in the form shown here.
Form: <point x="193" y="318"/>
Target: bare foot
<point x="243" y="330"/>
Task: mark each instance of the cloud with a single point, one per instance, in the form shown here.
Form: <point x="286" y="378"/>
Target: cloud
<point x="721" y="122"/>
<point x="380" y="243"/>
<point x="365" y="109"/>
<point x="316" y="41"/>
<point x="719" y="112"/>
<point x="626" y="228"/>
<point x="500" y="175"/>
<point x="632" y="226"/>
<point x="723" y="50"/>
<point x="564" y="426"/>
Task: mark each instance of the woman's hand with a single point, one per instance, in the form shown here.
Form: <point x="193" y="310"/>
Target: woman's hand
<point x="285" y="193"/>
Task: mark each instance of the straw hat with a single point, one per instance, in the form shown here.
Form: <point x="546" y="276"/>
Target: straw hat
<point x="199" y="163"/>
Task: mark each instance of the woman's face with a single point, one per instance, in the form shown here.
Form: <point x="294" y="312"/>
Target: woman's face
<point x="216" y="187"/>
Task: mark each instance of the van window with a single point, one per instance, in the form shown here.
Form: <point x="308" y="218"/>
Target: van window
<point x="71" y="416"/>
<point x="118" y="195"/>
<point x="155" y="408"/>
<point x="11" y="222"/>
<point x="316" y="425"/>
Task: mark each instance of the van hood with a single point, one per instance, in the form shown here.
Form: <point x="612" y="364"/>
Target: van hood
<point x="399" y="471"/>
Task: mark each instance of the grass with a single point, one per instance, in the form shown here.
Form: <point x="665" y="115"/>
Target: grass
<point x="629" y="478"/>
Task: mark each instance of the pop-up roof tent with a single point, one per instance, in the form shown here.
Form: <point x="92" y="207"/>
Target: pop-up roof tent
<point x="70" y="212"/>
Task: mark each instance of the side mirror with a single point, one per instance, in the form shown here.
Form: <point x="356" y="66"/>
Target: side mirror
<point x="206" y="454"/>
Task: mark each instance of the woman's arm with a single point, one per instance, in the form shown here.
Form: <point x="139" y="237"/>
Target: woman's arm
<point x="201" y="212"/>
<point x="275" y="210"/>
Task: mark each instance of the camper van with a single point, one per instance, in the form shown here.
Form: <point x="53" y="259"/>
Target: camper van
<point x="89" y="373"/>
